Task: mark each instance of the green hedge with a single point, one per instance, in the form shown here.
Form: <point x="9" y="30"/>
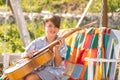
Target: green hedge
<point x="54" y="6"/>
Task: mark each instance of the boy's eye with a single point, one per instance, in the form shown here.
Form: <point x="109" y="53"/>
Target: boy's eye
<point x="51" y="26"/>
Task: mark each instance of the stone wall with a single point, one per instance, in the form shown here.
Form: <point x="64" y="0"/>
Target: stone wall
<point x="113" y="19"/>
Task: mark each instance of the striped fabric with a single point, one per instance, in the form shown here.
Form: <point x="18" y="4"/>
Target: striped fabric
<point x="91" y="42"/>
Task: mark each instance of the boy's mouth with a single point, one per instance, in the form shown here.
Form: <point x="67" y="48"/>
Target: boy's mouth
<point x="52" y="32"/>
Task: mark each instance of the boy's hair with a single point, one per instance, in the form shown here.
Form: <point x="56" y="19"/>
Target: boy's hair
<point x="54" y="19"/>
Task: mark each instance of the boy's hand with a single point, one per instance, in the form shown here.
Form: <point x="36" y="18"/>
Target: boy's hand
<point x="30" y="53"/>
<point x="57" y="46"/>
<point x="61" y="41"/>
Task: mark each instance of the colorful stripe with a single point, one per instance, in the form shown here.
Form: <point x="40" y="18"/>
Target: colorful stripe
<point x="93" y="43"/>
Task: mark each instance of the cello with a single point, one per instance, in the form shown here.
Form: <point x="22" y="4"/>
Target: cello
<point x="25" y="66"/>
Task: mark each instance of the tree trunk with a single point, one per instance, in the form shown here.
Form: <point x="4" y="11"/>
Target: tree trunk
<point x="104" y="14"/>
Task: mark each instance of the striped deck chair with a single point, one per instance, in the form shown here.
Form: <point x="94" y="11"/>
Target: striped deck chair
<point x="89" y="42"/>
<point x="113" y="52"/>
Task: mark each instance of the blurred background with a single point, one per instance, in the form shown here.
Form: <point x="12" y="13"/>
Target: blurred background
<point x="70" y="12"/>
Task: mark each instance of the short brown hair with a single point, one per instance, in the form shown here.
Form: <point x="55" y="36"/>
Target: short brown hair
<point x="54" y="19"/>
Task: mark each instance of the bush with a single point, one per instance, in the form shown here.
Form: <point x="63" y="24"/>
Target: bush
<point x="1" y="67"/>
<point x="113" y="6"/>
<point x="14" y="43"/>
<point x="2" y="2"/>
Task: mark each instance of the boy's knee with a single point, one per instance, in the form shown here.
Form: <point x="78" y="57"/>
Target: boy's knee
<point x="32" y="76"/>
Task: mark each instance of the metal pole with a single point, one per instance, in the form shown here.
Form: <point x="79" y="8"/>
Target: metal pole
<point x="83" y="15"/>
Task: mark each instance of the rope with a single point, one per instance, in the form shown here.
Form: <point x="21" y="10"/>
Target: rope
<point x="33" y="26"/>
<point x="83" y="15"/>
<point x="101" y="14"/>
<point x="5" y="31"/>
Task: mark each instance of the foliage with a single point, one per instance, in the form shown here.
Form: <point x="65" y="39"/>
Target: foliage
<point x="37" y="6"/>
<point x="54" y="6"/>
<point x="113" y="6"/>
<point x="61" y="5"/>
<point x="10" y="39"/>
<point x="2" y="2"/>
<point x="118" y="27"/>
<point x="14" y="43"/>
<point x="1" y="66"/>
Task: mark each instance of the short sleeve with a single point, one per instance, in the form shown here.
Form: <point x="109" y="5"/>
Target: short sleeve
<point x="36" y="44"/>
<point x="31" y="46"/>
<point x="63" y="50"/>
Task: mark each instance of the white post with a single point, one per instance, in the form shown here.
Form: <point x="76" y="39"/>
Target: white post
<point x="6" y="58"/>
<point x="90" y="66"/>
<point x="90" y="70"/>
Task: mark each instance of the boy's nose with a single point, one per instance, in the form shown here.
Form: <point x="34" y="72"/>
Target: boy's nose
<point x="53" y="27"/>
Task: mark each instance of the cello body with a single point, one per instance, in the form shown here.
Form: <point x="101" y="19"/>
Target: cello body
<point x="26" y="66"/>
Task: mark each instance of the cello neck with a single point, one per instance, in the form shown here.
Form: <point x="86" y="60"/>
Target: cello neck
<point x="64" y="36"/>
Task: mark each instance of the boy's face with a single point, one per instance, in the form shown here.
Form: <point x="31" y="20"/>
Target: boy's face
<point x="50" y="29"/>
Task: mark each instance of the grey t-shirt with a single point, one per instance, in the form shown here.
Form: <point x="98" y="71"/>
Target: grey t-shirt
<point x="41" y="42"/>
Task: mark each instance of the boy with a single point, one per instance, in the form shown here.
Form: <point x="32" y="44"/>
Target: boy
<point x="53" y="69"/>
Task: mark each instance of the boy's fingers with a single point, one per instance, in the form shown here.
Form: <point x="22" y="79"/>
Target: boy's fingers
<point x="30" y="54"/>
